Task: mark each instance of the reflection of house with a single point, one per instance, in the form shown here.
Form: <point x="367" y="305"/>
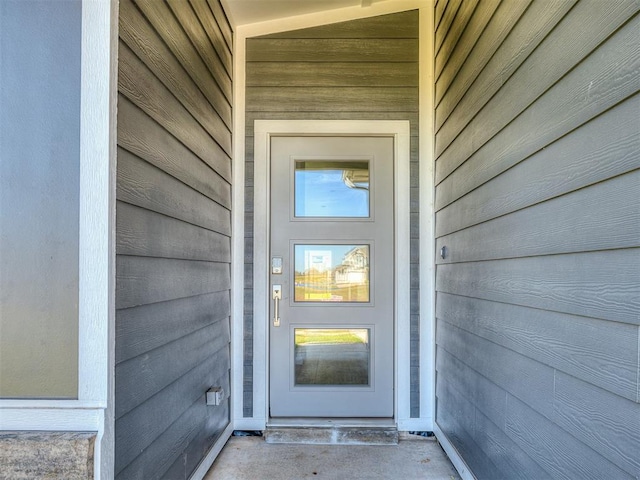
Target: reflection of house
<point x="357" y="178"/>
<point x="354" y="268"/>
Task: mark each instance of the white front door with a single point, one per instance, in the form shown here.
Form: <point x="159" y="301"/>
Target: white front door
<point x="331" y="334"/>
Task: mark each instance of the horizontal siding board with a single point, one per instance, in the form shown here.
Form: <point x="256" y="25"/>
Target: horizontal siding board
<point x="140" y="427"/>
<point x="153" y="463"/>
<point x="449" y="60"/>
<point x="464" y="15"/>
<point x="248" y="304"/>
<point x="142" y="87"/>
<point x="205" y="17"/>
<point x="607" y="423"/>
<point x="449" y="421"/>
<point x="172" y="235"/>
<point x="601" y="217"/>
<point x="141" y="135"/>
<point x="414" y="275"/>
<point x="445" y="23"/>
<point x="414" y="181"/>
<point x="501" y="23"/>
<point x="313" y="99"/>
<point x="222" y="20"/>
<point x="248" y="275"/>
<point x="248" y="224"/>
<point x="487" y="397"/>
<point x="519" y="48"/>
<point x="337" y="74"/>
<point x="600" y="352"/>
<point x="537" y="177"/>
<point x="601" y="284"/>
<point x="496" y="456"/>
<point x="142" y="232"/>
<point x="538" y="73"/>
<point x="332" y="50"/>
<point x="549" y="62"/>
<point x="459" y="405"/>
<point x="554" y="449"/>
<point x="605" y="147"/>
<point x="397" y="25"/>
<point x="604" y="79"/>
<point x="199" y="446"/>
<point x="512" y="461"/>
<point x="160" y="16"/>
<point x="525" y="378"/>
<point x="144" y="185"/>
<point x="248" y="250"/>
<point x="144" y="328"/>
<point x="144" y="280"/>
<point x="192" y="26"/>
<point x="144" y="376"/>
<point x="440" y="6"/>
<point x="140" y="37"/>
<point x="143" y="425"/>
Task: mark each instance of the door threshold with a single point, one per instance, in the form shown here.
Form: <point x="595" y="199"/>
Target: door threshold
<point x="330" y="422"/>
<point x="332" y="431"/>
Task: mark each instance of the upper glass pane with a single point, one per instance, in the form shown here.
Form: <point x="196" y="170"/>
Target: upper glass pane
<point x="331" y="273"/>
<point x="332" y="188"/>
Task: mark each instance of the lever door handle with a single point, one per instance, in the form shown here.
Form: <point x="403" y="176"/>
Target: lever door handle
<point x="277" y="296"/>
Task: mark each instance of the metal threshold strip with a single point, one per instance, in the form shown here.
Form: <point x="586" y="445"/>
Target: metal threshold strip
<point x="332" y="431"/>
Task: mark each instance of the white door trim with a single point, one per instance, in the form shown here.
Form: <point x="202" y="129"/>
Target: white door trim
<point x="263" y="130"/>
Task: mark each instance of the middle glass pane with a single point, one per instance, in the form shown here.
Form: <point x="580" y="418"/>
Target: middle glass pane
<point x="331" y="273"/>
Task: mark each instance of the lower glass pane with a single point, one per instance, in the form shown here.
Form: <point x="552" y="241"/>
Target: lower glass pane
<point x="336" y="356"/>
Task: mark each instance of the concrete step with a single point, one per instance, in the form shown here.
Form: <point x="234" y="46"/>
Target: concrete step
<point x="332" y="435"/>
<point x="252" y="458"/>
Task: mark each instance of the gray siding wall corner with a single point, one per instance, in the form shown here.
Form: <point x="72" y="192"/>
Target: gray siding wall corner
<point x="357" y="70"/>
<point x="173" y="234"/>
<point x="537" y="187"/>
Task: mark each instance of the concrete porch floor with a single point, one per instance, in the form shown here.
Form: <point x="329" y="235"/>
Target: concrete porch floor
<point x="252" y="458"/>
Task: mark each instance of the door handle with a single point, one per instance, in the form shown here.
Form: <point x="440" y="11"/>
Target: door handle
<point x="277" y="296"/>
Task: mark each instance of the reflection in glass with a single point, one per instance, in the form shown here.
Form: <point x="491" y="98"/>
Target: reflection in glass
<point x="331" y="273"/>
<point x="338" y="356"/>
<point x="325" y="188"/>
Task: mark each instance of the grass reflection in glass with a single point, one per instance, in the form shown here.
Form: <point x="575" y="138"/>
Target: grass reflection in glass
<point x="337" y="356"/>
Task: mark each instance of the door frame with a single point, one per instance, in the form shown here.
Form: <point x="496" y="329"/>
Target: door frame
<point x="263" y="131"/>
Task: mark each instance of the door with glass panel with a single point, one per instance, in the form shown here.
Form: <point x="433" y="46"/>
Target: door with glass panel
<point x="331" y="277"/>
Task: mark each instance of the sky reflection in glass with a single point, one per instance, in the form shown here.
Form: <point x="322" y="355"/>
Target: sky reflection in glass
<point x="332" y="189"/>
